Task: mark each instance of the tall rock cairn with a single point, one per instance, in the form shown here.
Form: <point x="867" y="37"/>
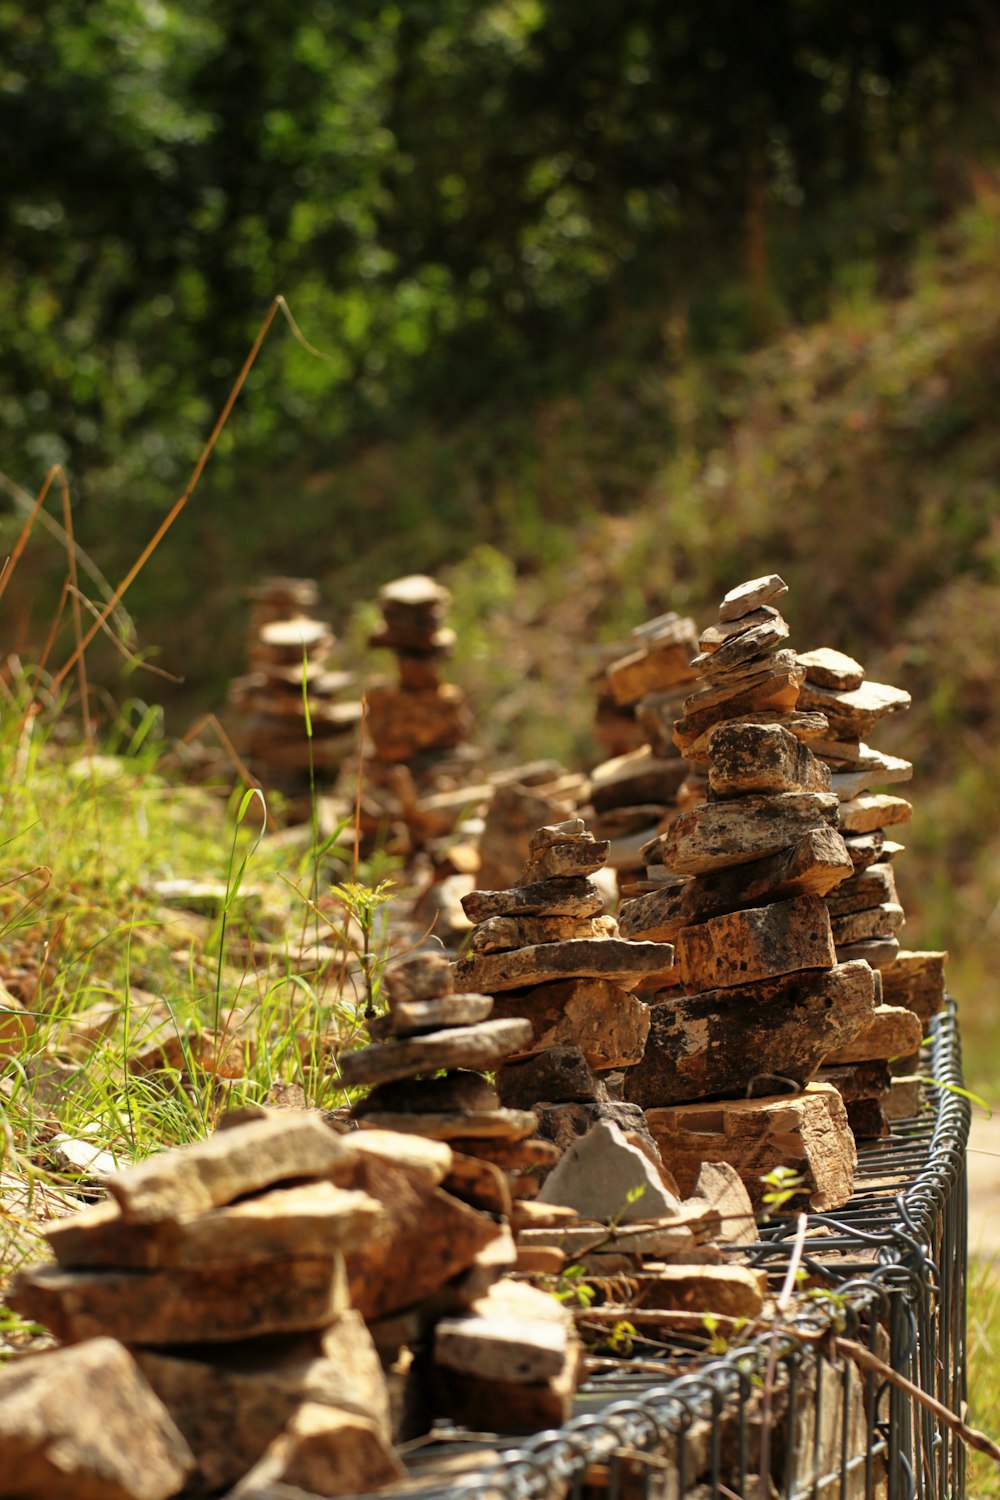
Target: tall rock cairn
<point x="289" y="658"/>
<point x="554" y="961"/>
<point x="633" y="795"/>
<point x="762" y="998"/>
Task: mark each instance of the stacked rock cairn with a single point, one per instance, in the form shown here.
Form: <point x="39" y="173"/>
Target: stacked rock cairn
<point x="417" y="759"/>
<point x="288" y="655"/>
<point x="865" y="911"/>
<point x="759" y="999"/>
<point x="633" y="795"/>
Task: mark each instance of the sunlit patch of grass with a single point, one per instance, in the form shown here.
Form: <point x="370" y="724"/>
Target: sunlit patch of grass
<point x="984" y="1362"/>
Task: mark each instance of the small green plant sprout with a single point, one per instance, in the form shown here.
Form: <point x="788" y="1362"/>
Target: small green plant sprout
<point x="718" y="1342"/>
<point x="571" y="1287"/>
<point x="781" y="1185"/>
<point x="632" y="1196"/>
<point x="362" y="904"/>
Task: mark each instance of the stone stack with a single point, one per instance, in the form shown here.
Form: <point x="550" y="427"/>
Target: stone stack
<point x="418" y="764"/>
<point x="764" y="999"/>
<point x="555" y="963"/>
<point x="288" y="655"/>
<point x="865" y="911"/>
<point x="427" y="1028"/>
<point x="633" y="795"/>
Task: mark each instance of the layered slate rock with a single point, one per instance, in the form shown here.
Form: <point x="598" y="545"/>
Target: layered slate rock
<point x="740" y="887"/>
<point x="634" y="794"/>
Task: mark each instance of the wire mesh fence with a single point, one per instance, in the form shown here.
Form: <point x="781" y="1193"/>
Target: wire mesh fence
<point x="828" y="1404"/>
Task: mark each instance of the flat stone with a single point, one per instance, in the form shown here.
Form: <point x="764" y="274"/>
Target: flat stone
<point x="558" y="1074"/>
<point x="511" y="1156"/>
<point x="853" y="714"/>
<point x="601" y="1172"/>
<point x="228" y="1165"/>
<point x="832" y="669"/>
<point x="904" y="1099"/>
<point x="83" y="1424"/>
<point x="185" y="1305"/>
<point x="401" y="725"/>
<point x="515" y="1333"/>
<point x="750" y="596"/>
<point x="762" y="758"/>
<point x="231" y="1401"/>
<point x="501" y="934"/>
<point x="893" y="1032"/>
<point x="726" y="1291"/>
<point x="621" y="825"/>
<point x="452" y="1091"/>
<point x="720" y="1187"/>
<point x="807" y="728"/>
<point x="481" y="1184"/>
<point x="637" y="777"/>
<point x="774" y="690"/>
<point x="415" y="591"/>
<point x="869" y="887"/>
<point x="853" y="1081"/>
<point x="758" y="674"/>
<point x="872" y="770"/>
<point x="501" y="1124"/>
<point x="761" y="942"/>
<point x="751" y="1040"/>
<point x="881" y="921"/>
<point x="575" y="897"/>
<point x="878" y="952"/>
<point x="747" y="646"/>
<point x="604" y="1020"/>
<point x="565" y="860"/>
<point x="806" y="1132"/>
<point x="410" y="1017"/>
<point x="565" y="1123"/>
<point x="734" y="833"/>
<point x="717" y="635"/>
<point x="507" y="1406"/>
<point x="867" y="1119"/>
<point x="813" y="866"/>
<point x="313" y="1218"/>
<point x="424" y="975"/>
<point x="612" y="959"/>
<point x="427" y="1238"/>
<point x="424" y="1162"/>
<point x="323" y="1450"/>
<point x="865" y="849"/>
<point x="873" y="810"/>
<point x="916" y="980"/>
<point x="460" y="1047"/>
<point x="650" y="669"/>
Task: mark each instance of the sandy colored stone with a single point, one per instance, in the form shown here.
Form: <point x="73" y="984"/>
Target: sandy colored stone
<point x="428" y="1237"/>
<point x="759" y="943"/>
<point x="871" y="770"/>
<point x="717" y="635"/>
<point x="651" y="669"/>
<point x="558" y="1074"/>
<point x="477" y="1046"/>
<point x="312" y="1218"/>
<point x="230" y="1402"/>
<point x="869" y="887"/>
<point x="324" y="1450"/>
<point x="866" y="849"/>
<point x="511" y="1156"/>
<point x="852" y="714"/>
<point x="807" y="1132"/>
<point x="424" y="1161"/>
<point x="741" y="649"/>
<point x="401" y="725"/>
<point x="720" y="1188"/>
<point x="185" y="1305"/>
<point x="749" y="596"/>
<point x="893" y="1032"/>
<point x="515" y="1333"/>
<point x="726" y="1291"/>
<point x="636" y="777"/>
<point x="865" y="1080"/>
<point x="228" y="1165"/>
<point x="409" y="1017"/>
<point x="565" y="860"/>
<point x="599" y="1174"/>
<point x="611" y="959"/>
<point x="880" y="921"/>
<point x="762" y="758"/>
<point x="603" y="1019"/>
<point x="904" y="1099"/>
<point x="750" y="1040"/>
<point x="776" y="692"/>
<point x="759" y="675"/>
<point x="832" y="669"/>
<point x="459" y="1090"/>
<point x="573" y="897"/>
<point x="739" y="831"/>
<point x="806" y="727"/>
<point x="83" y="1424"/>
<point x="498" y="1124"/>
<point x="501" y="934"/>
<point x="424" y="975"/>
<point x="880" y="953"/>
<point x="916" y="980"/>
<point x="873" y="810"/>
<point x="484" y="1405"/>
<point x="480" y="1184"/>
<point x="565" y="1123"/>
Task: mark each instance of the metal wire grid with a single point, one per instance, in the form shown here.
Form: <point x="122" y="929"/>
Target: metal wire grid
<point x="895" y="1256"/>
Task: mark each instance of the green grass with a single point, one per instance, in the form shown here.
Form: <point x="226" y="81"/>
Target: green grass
<point x="984" y="1361"/>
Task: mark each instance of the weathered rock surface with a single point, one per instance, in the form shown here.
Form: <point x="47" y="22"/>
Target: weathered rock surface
<point x="83" y="1424"/>
<point x="410" y="1017"/>
<point x="610" y="959"/>
<point x="832" y="669"/>
<point x="735" y="654"/>
<point x="869" y="887"/>
<point x="650" y="670"/>
<point x="774" y="691"/>
<point x="606" y="1021"/>
<point x="452" y="1125"/>
<point x="916" y="980"/>
<point x="807" y="1132"/>
<point x="739" y="831"/>
<point x="873" y="922"/>
<point x="873" y="810"/>
<point x="717" y="635"/>
<point x="324" y="1451"/>
<point x="515" y="1333"/>
<point x="746" y="758"/>
<point x="500" y="934"/>
<point x="852" y="714"/>
<point x="424" y="975"/>
<point x="601" y="1172"/>
<point x="879" y="952"/>
<point x="761" y="942"/>
<point x="892" y="1032"/>
<point x="637" y="777"/>
<point x="565" y="860"/>
<point x="449" y="1093"/>
<point x="753" y="1039"/>
<point x="477" y="1046"/>
<point x="574" y="897"/>
<point x="557" y="1075"/>
<point x="565" y="1123"/>
<point x="720" y="1188"/>
<point x="727" y="1291"/>
<point x="740" y="601"/>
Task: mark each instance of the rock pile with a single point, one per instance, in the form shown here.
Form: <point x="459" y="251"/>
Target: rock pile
<point x="555" y="963"/>
<point x="417" y="763"/>
<point x="288" y="653"/>
<point x="764" y="999"/>
<point x="632" y="796"/>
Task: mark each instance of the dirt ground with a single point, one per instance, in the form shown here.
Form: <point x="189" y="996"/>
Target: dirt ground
<point x="984" y="1188"/>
